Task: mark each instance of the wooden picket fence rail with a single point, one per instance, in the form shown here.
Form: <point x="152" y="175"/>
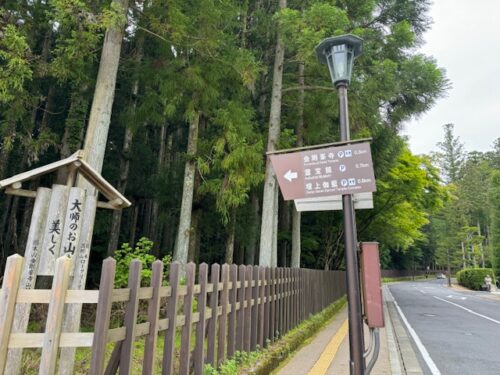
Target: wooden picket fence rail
<point x="242" y="307"/>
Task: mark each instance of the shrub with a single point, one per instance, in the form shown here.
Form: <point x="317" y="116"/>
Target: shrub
<point x="473" y="278"/>
<point x="142" y="251"/>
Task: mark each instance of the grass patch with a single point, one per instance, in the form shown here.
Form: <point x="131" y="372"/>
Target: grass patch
<point x="386" y="280"/>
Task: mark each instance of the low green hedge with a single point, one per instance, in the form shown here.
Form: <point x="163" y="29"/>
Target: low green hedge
<point x="473" y="278"/>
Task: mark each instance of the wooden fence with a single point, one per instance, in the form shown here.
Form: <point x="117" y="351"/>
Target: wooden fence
<point x="240" y="308"/>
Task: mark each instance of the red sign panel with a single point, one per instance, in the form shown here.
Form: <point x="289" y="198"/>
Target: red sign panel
<point x="372" y="285"/>
<point x="325" y="172"/>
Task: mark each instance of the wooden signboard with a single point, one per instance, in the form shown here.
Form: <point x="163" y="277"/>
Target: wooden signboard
<point x="329" y="171"/>
<point x="58" y="228"/>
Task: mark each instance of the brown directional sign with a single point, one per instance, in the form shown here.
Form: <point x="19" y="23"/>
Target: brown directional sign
<point x="324" y="172"/>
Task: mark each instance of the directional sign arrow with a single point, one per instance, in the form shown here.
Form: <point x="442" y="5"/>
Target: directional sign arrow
<point x="289" y="175"/>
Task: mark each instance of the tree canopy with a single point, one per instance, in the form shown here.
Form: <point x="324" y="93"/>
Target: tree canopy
<point x="213" y="60"/>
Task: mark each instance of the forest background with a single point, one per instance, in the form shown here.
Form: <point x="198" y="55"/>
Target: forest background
<point x="203" y="89"/>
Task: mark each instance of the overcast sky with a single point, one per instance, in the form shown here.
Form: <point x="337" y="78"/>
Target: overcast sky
<point x="465" y="40"/>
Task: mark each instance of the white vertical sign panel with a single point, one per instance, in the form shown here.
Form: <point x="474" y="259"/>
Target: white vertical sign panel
<point x="53" y="230"/>
<point x="80" y="265"/>
<point x="72" y="222"/>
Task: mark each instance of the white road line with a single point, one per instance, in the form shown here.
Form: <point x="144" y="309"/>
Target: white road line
<point x="425" y="354"/>
<point x="469" y="310"/>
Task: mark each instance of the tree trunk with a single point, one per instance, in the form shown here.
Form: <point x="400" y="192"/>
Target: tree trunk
<point x="193" y="238"/>
<point x="11" y="235"/>
<point x="253" y="233"/>
<point x="285" y="223"/>
<point x="4" y="220"/>
<point x="10" y="133"/>
<point x="240" y="254"/>
<point x="155" y="210"/>
<point x="102" y="103"/>
<point x="168" y="230"/>
<point x="274" y="254"/>
<point x="134" y="217"/>
<point x="183" y="232"/>
<point x="230" y="239"/>
<point x="299" y="132"/>
<point x="74" y="127"/>
<point x="122" y="185"/>
<point x="480" y="244"/>
<point x="146" y="217"/>
<point x="464" y="265"/>
<point x="268" y="227"/>
<point x="116" y="220"/>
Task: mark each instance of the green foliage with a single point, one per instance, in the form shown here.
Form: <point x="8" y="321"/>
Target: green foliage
<point x="233" y="365"/>
<point x="473" y="278"/>
<point x="142" y="251"/>
<point x="15" y="68"/>
<point x="410" y="191"/>
<point x="494" y="195"/>
<point x="234" y="161"/>
<point x="452" y="155"/>
<point x="79" y="34"/>
<point x="215" y="60"/>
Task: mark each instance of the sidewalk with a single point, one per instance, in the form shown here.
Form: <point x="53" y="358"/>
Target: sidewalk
<point x="328" y="352"/>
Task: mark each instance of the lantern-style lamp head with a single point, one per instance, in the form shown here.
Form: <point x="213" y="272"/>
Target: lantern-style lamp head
<point x="339" y="53"/>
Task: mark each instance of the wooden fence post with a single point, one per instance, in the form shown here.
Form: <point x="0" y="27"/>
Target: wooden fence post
<point x="248" y="309"/>
<point x="261" y="315"/>
<point x="288" y="298"/>
<point x="32" y="254"/>
<point x="188" y="315"/>
<point x="255" y="308"/>
<point x="295" y="297"/>
<point x="168" y="349"/>
<point x="231" y="326"/>
<point x="277" y="296"/>
<point x="292" y="298"/>
<point x="55" y="316"/>
<point x="240" y="323"/>
<point x="272" y="308"/>
<point x="103" y="314"/>
<point x="134" y="283"/>
<point x="153" y="318"/>
<point x="8" y="296"/>
<point x="281" y="301"/>
<point x="267" y="305"/>
<point x="199" y="351"/>
<point x="224" y="300"/>
<point x="214" y="306"/>
<point x="308" y="293"/>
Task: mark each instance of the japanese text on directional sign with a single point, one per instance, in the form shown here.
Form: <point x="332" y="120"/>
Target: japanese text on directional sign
<point x="325" y="172"/>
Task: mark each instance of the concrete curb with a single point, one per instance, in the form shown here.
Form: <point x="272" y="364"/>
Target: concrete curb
<point x="394" y="356"/>
<point x="401" y="353"/>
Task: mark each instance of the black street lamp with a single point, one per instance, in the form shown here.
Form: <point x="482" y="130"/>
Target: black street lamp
<point x="339" y="54"/>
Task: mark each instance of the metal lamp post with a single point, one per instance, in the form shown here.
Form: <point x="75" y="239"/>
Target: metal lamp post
<point x="339" y="54"/>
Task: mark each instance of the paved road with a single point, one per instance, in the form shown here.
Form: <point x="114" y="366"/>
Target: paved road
<point x="460" y="330"/>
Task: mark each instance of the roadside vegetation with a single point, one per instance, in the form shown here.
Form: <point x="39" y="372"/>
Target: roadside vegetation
<point x="473" y="278"/>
